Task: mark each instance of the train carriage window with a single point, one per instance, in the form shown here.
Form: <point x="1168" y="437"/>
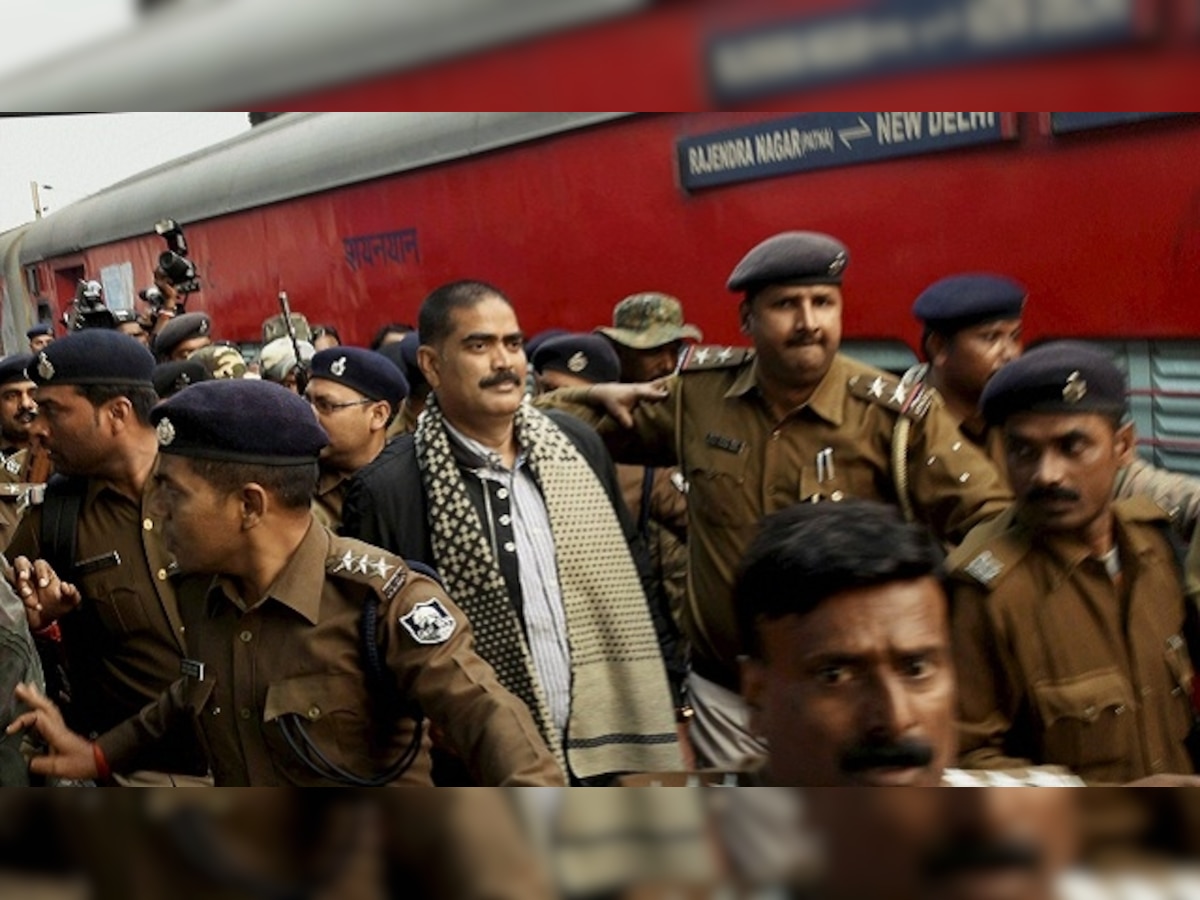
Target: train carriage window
<point x="1164" y="399"/>
<point x="33" y="281"/>
<point x="890" y="355"/>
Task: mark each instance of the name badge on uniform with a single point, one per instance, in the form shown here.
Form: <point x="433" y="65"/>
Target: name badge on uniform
<point x="732" y="445"/>
<point x="190" y="668"/>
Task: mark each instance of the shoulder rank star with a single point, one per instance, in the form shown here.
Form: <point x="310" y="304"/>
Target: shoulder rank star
<point x="876" y="388"/>
<point x="702" y="356"/>
<point x="381" y="567"/>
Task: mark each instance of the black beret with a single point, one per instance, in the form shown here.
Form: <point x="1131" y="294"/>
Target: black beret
<point x="371" y="374"/>
<point x="1059" y="377"/>
<point x="959" y="301"/>
<point x="180" y="329"/>
<point x="540" y="338"/>
<point x="588" y="356"/>
<point x="793" y="257"/>
<point x="39" y="329"/>
<point x="239" y="420"/>
<point x="12" y="368"/>
<point x="94" y="356"/>
<point x="173" y="376"/>
<point x="403" y="353"/>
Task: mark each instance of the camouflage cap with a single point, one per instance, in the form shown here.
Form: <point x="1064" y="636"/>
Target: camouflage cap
<point x="276" y="327"/>
<point x="221" y="361"/>
<point x="645" y="321"/>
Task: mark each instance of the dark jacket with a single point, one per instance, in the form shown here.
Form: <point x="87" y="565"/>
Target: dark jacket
<point x="385" y="505"/>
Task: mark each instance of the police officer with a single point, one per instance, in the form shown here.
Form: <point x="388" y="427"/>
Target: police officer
<point x="757" y="430"/>
<point x="648" y="332"/>
<point x="356" y="394"/>
<point x="1068" y="611"/>
<point x="172" y="377"/>
<point x="575" y="360"/>
<point x="39" y="336"/>
<point x="284" y="683"/>
<point x="403" y="354"/>
<point x="124" y="641"/>
<point x="182" y="336"/>
<point x="18" y="410"/>
<point x="973" y="329"/>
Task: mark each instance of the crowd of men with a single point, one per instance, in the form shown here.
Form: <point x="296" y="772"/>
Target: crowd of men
<point x="418" y="563"/>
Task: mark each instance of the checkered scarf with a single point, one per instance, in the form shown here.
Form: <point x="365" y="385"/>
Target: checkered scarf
<point x="621" y="712"/>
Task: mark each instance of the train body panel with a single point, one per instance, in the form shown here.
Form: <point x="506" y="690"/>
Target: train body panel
<point x="1103" y="226"/>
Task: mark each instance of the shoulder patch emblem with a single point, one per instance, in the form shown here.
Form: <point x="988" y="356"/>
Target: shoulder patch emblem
<point x="13" y="464"/>
<point x="429" y="623"/>
<point x="697" y="359"/>
<point x="985" y="568"/>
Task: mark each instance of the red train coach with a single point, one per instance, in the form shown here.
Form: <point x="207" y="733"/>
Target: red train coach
<point x="358" y="215"/>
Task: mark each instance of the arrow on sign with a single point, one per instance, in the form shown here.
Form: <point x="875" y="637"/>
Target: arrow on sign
<point x="854" y="134"/>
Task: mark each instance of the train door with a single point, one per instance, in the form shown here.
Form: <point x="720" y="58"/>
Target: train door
<point x="66" y="280"/>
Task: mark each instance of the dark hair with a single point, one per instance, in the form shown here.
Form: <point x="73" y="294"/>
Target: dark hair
<point x="434" y="320"/>
<point x="400" y="328"/>
<point x="809" y="552"/>
<point x="322" y="330"/>
<point x="292" y="486"/>
<point x="142" y="399"/>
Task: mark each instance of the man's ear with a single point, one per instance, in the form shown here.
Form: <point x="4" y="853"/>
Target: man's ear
<point x="381" y="411"/>
<point x="745" y="312"/>
<point x="1125" y="443"/>
<point x="120" y="414"/>
<point x="937" y="348"/>
<point x="430" y="364"/>
<point x="255" y="502"/>
<point x="754" y="688"/>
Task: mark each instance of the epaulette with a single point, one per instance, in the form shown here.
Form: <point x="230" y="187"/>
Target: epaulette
<point x="13" y="463"/>
<point x="700" y="359"/>
<point x="24" y="493"/>
<point x="990" y="552"/>
<point x="909" y="396"/>
<point x="360" y="562"/>
<point x="1140" y="509"/>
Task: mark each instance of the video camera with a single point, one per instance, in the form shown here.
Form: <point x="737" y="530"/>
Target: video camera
<point x="174" y="267"/>
<point x="87" y="310"/>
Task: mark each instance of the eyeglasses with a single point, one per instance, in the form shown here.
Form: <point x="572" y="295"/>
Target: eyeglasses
<point x="328" y="407"/>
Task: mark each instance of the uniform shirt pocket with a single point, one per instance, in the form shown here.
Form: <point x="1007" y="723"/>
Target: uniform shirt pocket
<point x="717" y="490"/>
<point x="120" y="609"/>
<point x="331" y="709"/>
<point x="1087" y="721"/>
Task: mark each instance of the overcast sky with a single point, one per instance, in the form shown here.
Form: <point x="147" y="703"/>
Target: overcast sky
<point x="79" y="155"/>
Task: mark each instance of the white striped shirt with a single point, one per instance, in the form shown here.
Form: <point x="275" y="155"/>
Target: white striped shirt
<point x="533" y="543"/>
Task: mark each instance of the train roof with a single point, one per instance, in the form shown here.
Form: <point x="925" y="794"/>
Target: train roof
<point x="288" y="157"/>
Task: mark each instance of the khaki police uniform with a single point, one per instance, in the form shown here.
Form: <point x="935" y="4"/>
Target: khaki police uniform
<point x="297" y="656"/>
<point x="329" y="497"/>
<point x="742" y="464"/>
<point x="1060" y="663"/>
<point x="124" y="643"/>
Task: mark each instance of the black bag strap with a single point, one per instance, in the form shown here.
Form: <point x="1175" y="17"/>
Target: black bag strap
<point x="61" y="509"/>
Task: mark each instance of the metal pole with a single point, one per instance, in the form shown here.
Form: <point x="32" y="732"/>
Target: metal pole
<point x="37" y="201"/>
